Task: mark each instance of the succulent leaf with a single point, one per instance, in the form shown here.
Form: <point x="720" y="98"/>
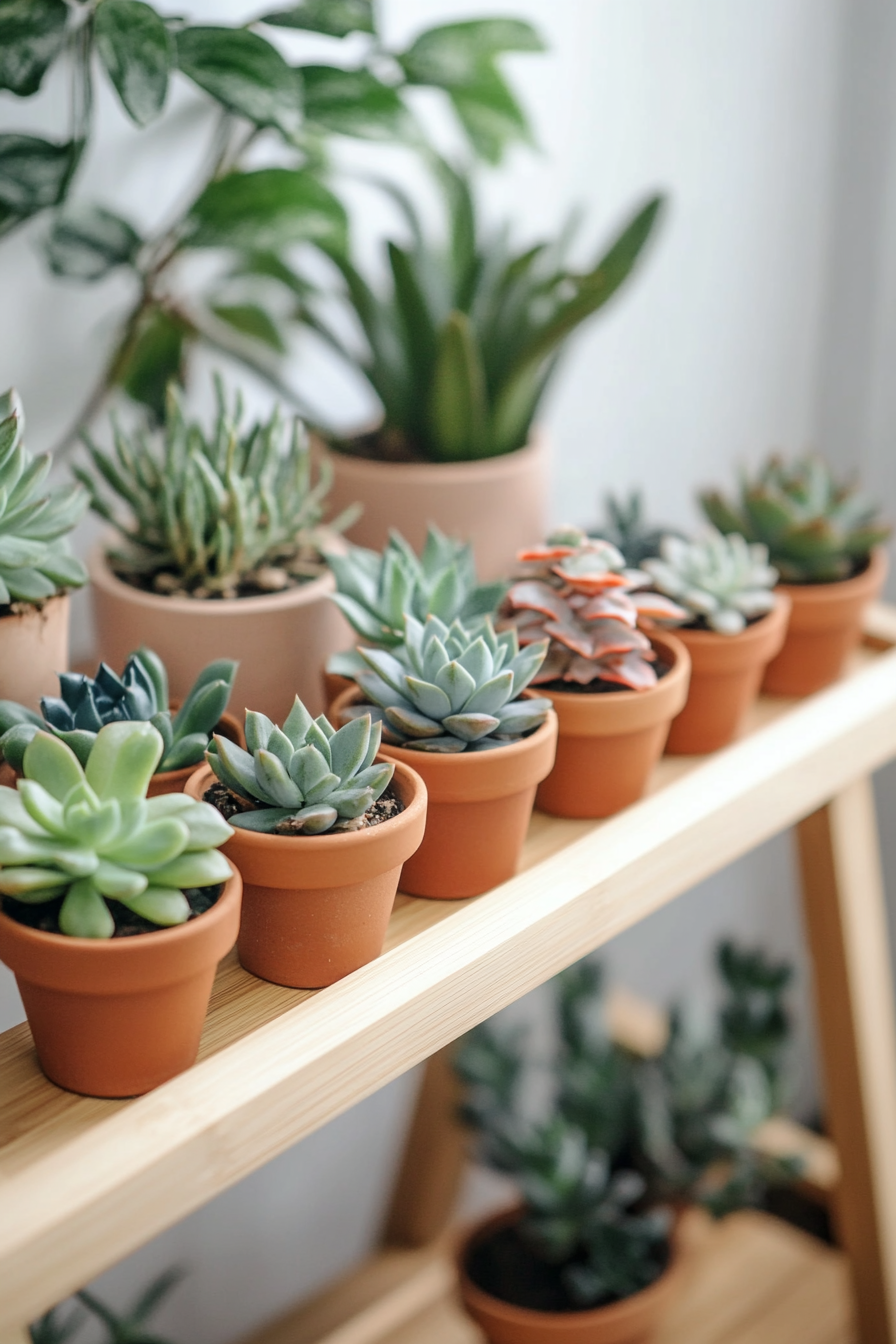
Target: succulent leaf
<point x="718" y="578"/>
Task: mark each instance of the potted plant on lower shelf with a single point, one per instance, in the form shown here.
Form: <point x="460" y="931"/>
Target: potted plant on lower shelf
<point x="322" y="825"/>
<point x="115" y="911"/>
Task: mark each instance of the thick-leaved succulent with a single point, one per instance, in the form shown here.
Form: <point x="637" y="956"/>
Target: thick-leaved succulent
<point x="626" y="526"/>
<point x="305" y="777"/>
<point x="90" y="835"/>
<point x="85" y="704"/>
<point x="817" y="530"/>
<point x="723" y="581"/>
<point x="34" y="521"/>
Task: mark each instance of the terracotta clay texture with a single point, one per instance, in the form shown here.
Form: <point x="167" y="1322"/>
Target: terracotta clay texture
<point x="280" y="640"/>
<point x="825" y="627"/>
<point x="117" y="1017"/>
<point x="479" y="809"/>
<point x="726" y="671"/>
<point x="316" y="907"/>
<point x="631" y="1321"/>
<point x="33" y="649"/>
<point x="609" y="743"/>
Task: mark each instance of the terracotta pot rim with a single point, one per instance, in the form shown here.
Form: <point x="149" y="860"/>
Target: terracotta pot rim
<point x="753" y="633"/>
<point x="494" y="468"/>
<point x="36" y="608"/>
<point x="624" y="712"/>
<point x="845" y="589"/>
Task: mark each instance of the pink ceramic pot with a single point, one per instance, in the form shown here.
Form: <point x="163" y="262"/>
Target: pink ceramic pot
<point x="33" y="649"/>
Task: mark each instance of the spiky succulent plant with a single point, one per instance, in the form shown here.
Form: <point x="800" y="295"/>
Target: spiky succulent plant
<point x="90" y="835"/>
<point x="34" y="521"/>
<point x="85" y="704"/>
<point x="304" y="777"/>
<point x="626" y="526"/>
<point x="817" y="530"/>
<point x="450" y="688"/>
<point x="722" y="581"/>
<point x="579" y="595"/>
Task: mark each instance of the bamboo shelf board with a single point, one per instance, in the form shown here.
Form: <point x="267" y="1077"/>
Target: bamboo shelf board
<point x="84" y="1182"/>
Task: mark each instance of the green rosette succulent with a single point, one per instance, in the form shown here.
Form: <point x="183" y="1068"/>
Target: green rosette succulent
<point x="722" y="580"/>
<point x="34" y="560"/>
<point x="303" y="778"/>
<point x="450" y="689"/>
<point x="90" y="835"/>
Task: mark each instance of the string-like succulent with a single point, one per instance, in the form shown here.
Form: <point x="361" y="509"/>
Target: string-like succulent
<point x="304" y="777"/>
<point x="85" y="704"/>
<point x="579" y="594"/>
<point x="817" y="529"/>
<point x="724" y="581"/>
<point x="90" y="835"/>
<point x="34" y="521"/>
<point x="215" y="514"/>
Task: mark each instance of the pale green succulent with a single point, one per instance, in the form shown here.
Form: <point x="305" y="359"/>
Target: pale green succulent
<point x="34" y="560"/>
<point x="722" y="580"/>
<point x="90" y="834"/>
<point x="304" y="777"/>
<point x="451" y="689"/>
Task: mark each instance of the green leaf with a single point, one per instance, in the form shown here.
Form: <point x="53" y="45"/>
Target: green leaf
<point x="137" y="51"/>
<point x="336" y="18"/>
<point x="86" y="242"/>
<point x="154" y="360"/>
<point x="32" y="34"/>
<point x="84" y="913"/>
<point x="458" y="409"/>
<point x="490" y="115"/>
<point x="244" y="73"/>
<point x="266" y="210"/>
<point x="356" y="103"/>
<point x="34" y="173"/>
<point x="455" y="54"/>
<point x="251" y="320"/>
<point x="123" y="760"/>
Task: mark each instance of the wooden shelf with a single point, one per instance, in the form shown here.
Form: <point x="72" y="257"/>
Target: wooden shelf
<point x="84" y="1182"/>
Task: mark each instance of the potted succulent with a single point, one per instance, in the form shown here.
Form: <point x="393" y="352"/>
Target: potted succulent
<point x="85" y="704"/>
<point x="115" y="911"/>
<point x="626" y="526"/>
<point x="736" y="626"/>
<point x="615" y="691"/>
<point x="452" y="704"/>
<point x="222" y="553"/>
<point x="322" y="825"/>
<point x="827" y="544"/>
<point x="36" y="569"/>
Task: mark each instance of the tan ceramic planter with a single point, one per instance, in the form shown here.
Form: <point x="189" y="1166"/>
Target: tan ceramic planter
<point x="825" y="627"/>
<point x="280" y="640"/>
<point x="498" y="503"/>
<point x="33" y="649"/>
<point x="317" y="907"/>
<point x="609" y="743"/>
<point x="116" y="1017"/>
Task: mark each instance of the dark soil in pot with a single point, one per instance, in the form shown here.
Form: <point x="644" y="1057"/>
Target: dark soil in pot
<point x="127" y="924"/>
<point x="387" y="806"/>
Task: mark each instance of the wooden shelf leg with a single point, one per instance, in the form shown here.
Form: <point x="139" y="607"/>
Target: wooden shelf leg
<point x="845" y="914"/>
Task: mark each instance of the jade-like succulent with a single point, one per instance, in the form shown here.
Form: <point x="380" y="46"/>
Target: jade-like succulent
<point x="304" y="777"/>
<point x="90" y="834"/>
<point x="817" y="530"/>
<point x="579" y="594"/>
<point x="140" y="693"/>
<point x="34" y="560"/>
<point x="724" y="581"/>
<point x="449" y="689"/>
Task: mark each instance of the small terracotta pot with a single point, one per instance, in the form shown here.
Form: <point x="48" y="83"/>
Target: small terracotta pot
<point x="725" y="674"/>
<point x="630" y="1321"/>
<point x="610" y="742"/>
<point x="479" y="809"/>
<point x="33" y="649"/>
<point x="825" y="627"/>
<point x="117" y="1017"/>
<point x="317" y="907"/>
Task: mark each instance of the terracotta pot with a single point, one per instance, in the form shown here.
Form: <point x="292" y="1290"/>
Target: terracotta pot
<point x="631" y="1321"/>
<point x="725" y="674"/>
<point x="280" y="640"/>
<point x="117" y="1017"/>
<point x="825" y="627"/>
<point x="316" y="907"/>
<point x="610" y="742"/>
<point x="479" y="809"/>
<point x="497" y="503"/>
<point x="174" y="781"/>
<point x="33" y="649"/>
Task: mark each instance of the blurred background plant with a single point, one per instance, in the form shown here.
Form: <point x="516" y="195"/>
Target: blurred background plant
<point x="132" y="1326"/>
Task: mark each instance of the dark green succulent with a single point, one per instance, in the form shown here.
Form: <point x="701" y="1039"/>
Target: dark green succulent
<point x="625" y="525"/>
<point x="127" y="1327"/>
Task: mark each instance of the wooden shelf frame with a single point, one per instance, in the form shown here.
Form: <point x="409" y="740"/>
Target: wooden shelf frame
<point x="84" y="1182"/>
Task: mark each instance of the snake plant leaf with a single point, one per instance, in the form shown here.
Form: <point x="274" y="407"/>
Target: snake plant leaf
<point x="458" y="413"/>
<point x="84" y="913"/>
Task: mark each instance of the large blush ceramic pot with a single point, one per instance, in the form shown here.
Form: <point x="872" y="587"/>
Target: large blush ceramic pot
<point x="33" y="649"/>
<point x="316" y="907"/>
<point x="610" y="742"/>
<point x="726" y="671"/>
<point x="479" y="809"/>
<point x="116" y="1017"/>
<point x="280" y="640"/>
<point x="825" y="627"/>
<point x="631" y="1321"/>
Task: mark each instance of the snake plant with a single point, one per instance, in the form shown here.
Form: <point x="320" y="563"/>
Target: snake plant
<point x="724" y="581"/>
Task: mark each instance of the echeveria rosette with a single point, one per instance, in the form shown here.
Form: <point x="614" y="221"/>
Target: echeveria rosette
<point x="722" y="580"/>
<point x="90" y="834"/>
<point x="304" y="777"/>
